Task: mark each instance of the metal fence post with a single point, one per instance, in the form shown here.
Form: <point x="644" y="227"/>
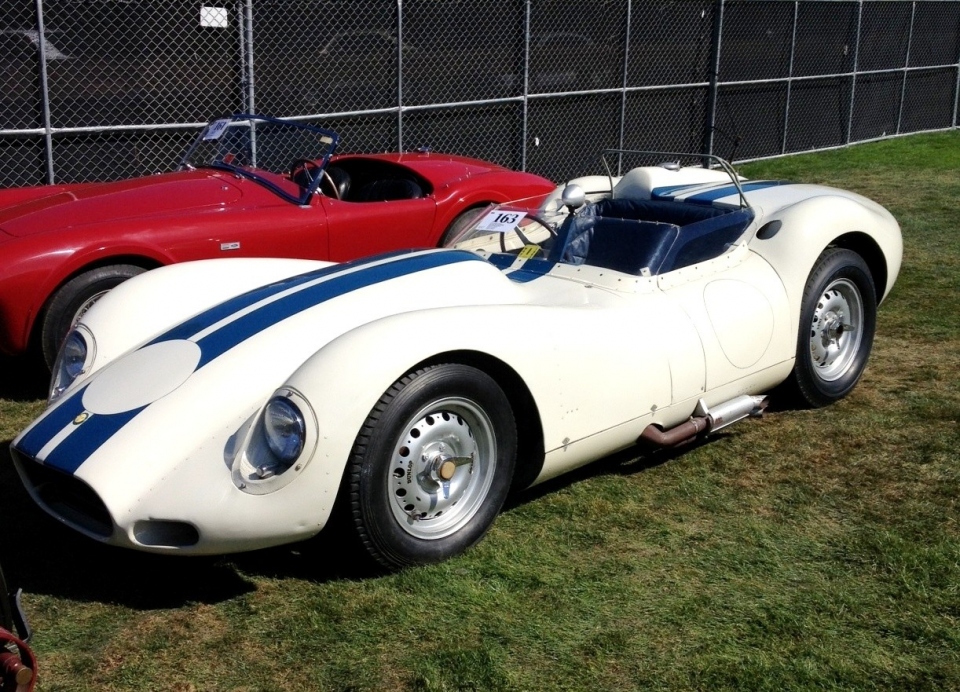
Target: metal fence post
<point x="793" y="51"/>
<point x="714" y="76"/>
<point x="956" y="92"/>
<point x="246" y="48"/>
<point x="399" y="75"/>
<point x="906" y="65"/>
<point x="526" y="88"/>
<point x="856" y="67"/>
<point x="624" y="83"/>
<point x="45" y="94"/>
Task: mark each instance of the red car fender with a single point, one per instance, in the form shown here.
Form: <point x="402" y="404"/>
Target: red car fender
<point x="26" y="294"/>
<point x="492" y="188"/>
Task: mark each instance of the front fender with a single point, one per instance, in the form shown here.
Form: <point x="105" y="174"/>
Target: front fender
<point x="581" y="383"/>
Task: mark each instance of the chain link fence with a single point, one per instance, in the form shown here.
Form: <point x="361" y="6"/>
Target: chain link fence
<point x="94" y="90"/>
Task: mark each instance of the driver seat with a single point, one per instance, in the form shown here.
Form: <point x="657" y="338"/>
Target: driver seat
<point x="341" y="181"/>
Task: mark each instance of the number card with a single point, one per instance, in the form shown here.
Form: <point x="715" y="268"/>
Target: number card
<point x="500" y="221"/>
<point x="216" y="129"/>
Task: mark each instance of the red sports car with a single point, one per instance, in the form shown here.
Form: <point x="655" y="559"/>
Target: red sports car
<point x="248" y="186"/>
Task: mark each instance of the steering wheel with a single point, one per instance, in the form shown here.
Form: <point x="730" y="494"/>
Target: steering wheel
<point x="306" y="166"/>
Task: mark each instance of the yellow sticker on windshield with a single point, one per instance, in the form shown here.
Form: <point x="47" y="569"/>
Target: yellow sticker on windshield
<point x="529" y="251"/>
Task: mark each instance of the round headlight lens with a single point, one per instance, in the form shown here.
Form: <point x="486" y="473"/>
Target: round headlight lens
<point x="284" y="429"/>
<point x="70" y="363"/>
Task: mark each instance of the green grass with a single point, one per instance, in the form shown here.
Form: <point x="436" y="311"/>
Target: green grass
<point x="807" y="550"/>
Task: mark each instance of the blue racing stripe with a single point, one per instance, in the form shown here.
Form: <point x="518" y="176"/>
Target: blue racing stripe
<point x="501" y="261"/>
<point x="670" y="191"/>
<point x="51" y="423"/>
<point x="531" y="269"/>
<point x="93" y="433"/>
<point x="728" y="190"/>
<point x="207" y="318"/>
<point x="241" y="329"/>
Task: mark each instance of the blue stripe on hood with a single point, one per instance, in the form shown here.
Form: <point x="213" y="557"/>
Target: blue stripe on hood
<point x="233" y="305"/>
<point x="50" y="423"/>
<point x="241" y="329"/>
<point x="95" y="431"/>
<point x="69" y="455"/>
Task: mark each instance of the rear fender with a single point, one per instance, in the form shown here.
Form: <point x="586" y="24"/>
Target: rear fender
<point x="497" y="187"/>
<point x="809" y="227"/>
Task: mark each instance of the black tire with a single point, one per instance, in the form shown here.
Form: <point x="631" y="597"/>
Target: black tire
<point x="463" y="219"/>
<point x="838" y="317"/>
<point x="73" y="299"/>
<point x="432" y="466"/>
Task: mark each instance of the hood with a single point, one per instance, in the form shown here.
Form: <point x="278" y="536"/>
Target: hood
<point x="221" y="365"/>
<point x="159" y="195"/>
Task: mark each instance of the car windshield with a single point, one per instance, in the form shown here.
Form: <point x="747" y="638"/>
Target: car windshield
<point x="514" y="229"/>
<point x="272" y="152"/>
<point x="593" y="236"/>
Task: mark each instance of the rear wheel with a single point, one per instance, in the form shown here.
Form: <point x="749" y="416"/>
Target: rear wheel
<point x="432" y="465"/>
<point x="74" y="298"/>
<point x="837" y="322"/>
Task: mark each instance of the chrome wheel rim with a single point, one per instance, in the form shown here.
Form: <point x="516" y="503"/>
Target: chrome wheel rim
<point x="836" y="330"/>
<point x="86" y="305"/>
<point x="441" y="468"/>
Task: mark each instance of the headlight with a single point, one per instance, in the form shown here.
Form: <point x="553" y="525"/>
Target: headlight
<point x="284" y="430"/>
<point x="278" y="444"/>
<point x="75" y="356"/>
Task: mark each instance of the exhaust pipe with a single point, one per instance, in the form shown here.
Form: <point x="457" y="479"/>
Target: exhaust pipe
<point x="704" y="421"/>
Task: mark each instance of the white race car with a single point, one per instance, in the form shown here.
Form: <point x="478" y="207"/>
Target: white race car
<point x="225" y="405"/>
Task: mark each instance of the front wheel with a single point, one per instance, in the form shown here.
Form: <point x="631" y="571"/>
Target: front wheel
<point x="73" y="299"/>
<point x="432" y="465"/>
<point x="459" y="224"/>
<point x="838" y="317"/>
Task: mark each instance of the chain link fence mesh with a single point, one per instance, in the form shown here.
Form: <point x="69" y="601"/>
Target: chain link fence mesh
<point x="106" y="89"/>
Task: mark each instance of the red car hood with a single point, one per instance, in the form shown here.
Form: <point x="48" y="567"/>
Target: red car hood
<point x="67" y="206"/>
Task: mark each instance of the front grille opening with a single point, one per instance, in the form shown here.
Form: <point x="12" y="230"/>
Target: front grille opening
<point x="69" y="498"/>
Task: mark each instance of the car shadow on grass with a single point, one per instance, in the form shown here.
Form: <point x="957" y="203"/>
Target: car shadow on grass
<point x="633" y="460"/>
<point x="42" y="556"/>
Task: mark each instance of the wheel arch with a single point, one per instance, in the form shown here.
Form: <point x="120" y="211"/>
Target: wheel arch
<point x="870" y="251"/>
<point x="530" y="450"/>
<point x="809" y="227"/>
<point x="144" y="261"/>
<point x="451" y="221"/>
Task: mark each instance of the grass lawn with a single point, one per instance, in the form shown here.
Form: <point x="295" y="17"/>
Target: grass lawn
<point x="807" y="550"/>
